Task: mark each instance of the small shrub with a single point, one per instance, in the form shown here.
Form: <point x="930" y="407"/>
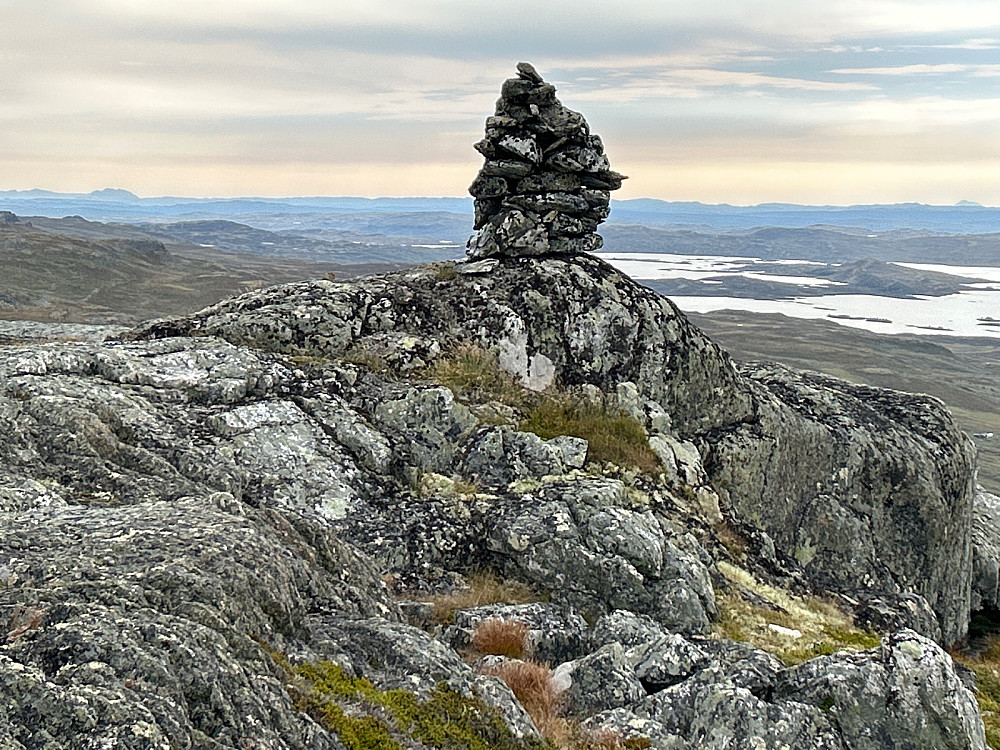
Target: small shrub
<point x="501" y="637"/>
<point x="612" y="436"/>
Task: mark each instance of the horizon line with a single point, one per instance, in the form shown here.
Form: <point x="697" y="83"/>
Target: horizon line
<point x="110" y="191"/>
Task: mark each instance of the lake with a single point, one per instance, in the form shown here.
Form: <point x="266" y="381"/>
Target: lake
<point x="959" y="314"/>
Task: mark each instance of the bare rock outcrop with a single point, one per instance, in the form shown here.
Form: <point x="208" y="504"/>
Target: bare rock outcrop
<point x="869" y="489"/>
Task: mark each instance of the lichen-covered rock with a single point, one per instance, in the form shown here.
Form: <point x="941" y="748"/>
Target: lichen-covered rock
<point x="584" y="540"/>
<point x="903" y="694"/>
<point x="418" y="536"/>
<point x="986" y="551"/>
<point x="890" y="481"/>
<point x="889" y="613"/>
<point x="742" y="664"/>
<point x="624" y="627"/>
<point x="711" y="712"/>
<point x="432" y="422"/>
<point x="498" y="456"/>
<point x="598" y="682"/>
<point x="143" y="622"/>
<point x="666" y="661"/>
<point x="623" y="723"/>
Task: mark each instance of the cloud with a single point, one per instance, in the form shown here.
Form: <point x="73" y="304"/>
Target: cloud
<point x="969" y="44"/>
<point x="246" y="95"/>
<point x="924" y="69"/>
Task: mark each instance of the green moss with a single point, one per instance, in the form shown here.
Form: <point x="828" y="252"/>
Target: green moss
<point x="612" y="436"/>
<point x="329" y="679"/>
<point x="832" y="640"/>
<point x="350" y="706"/>
<point x="450" y="720"/>
<point x="357" y="732"/>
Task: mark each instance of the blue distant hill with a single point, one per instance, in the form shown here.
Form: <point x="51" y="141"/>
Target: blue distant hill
<point x="112" y="204"/>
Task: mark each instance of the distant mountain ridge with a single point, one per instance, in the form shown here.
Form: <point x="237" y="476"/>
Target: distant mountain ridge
<point x="113" y="204"/>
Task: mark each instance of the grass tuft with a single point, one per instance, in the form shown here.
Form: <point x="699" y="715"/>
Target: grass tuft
<point x="531" y="683"/>
<point x="986" y="667"/>
<point x="612" y="436"/>
<point x="485" y="587"/>
<point x="474" y="374"/>
<point x="362" y="357"/>
<point x="501" y="637"/>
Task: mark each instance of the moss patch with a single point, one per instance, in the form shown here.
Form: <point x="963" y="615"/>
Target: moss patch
<point x="365" y="718"/>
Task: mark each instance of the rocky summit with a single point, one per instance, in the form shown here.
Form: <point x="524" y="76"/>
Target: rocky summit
<point x="514" y="502"/>
<point x="546" y="182"/>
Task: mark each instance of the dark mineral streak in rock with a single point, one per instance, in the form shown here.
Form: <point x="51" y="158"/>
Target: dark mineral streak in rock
<point x="546" y="182"/>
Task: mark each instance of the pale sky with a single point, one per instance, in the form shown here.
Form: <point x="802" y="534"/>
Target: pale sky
<point x="802" y="101"/>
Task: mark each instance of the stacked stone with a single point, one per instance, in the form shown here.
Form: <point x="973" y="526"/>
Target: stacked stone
<point x="546" y="182"/>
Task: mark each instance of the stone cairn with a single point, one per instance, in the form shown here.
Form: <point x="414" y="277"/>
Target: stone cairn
<point x="546" y="182"/>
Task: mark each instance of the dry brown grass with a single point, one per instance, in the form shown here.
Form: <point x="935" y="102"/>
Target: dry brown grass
<point x="484" y="588"/>
<point x="531" y="683"/>
<point x="606" y="739"/>
<point x="822" y="628"/>
<point x="501" y="637"/>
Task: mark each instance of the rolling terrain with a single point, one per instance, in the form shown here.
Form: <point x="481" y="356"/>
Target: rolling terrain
<point x="75" y="271"/>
